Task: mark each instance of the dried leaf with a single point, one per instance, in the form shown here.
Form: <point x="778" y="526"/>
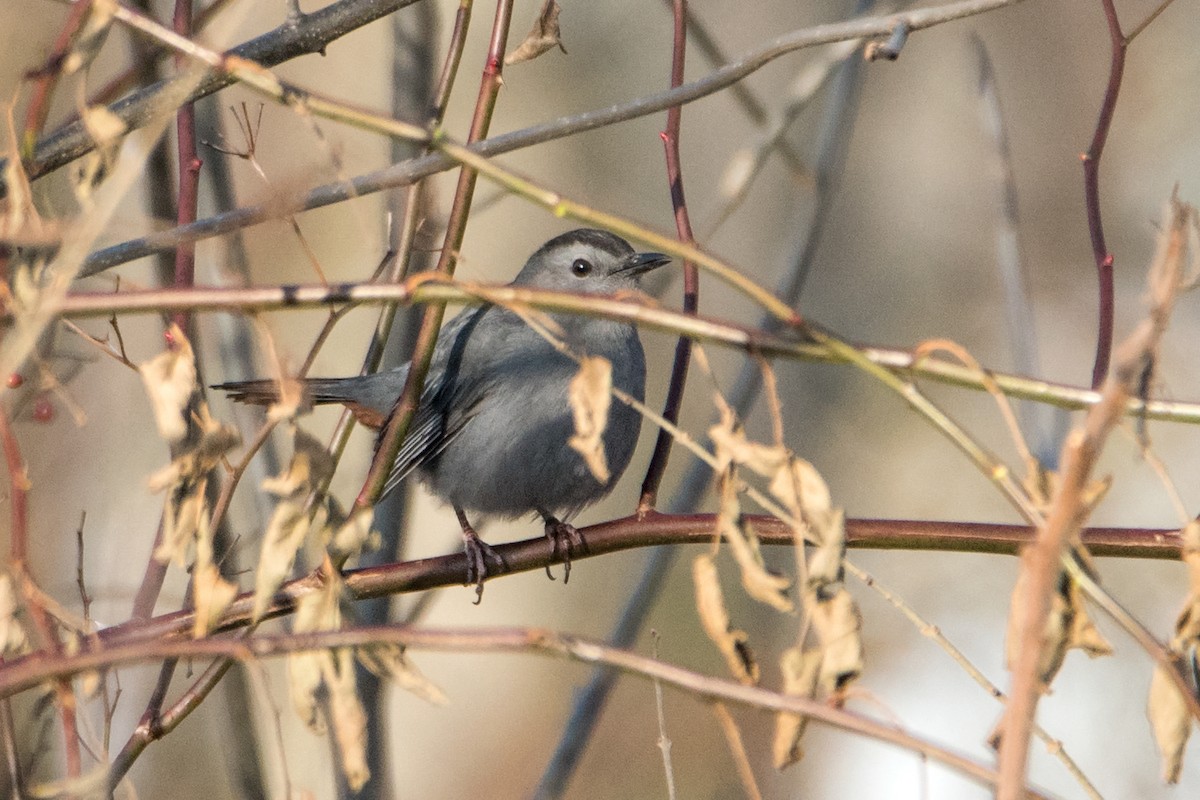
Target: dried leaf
<point x="825" y="561"/>
<point x="348" y="717"/>
<point x="294" y="516"/>
<point x="90" y="38"/>
<point x="212" y="594"/>
<point x="352" y="536"/>
<point x="732" y="446"/>
<point x="1171" y="721"/>
<point x="105" y="128"/>
<point x="13" y="639"/>
<point x="543" y="36"/>
<point x="590" y="395"/>
<point x="710" y="603"/>
<point x="838" y="624"/>
<point x="170" y="379"/>
<point x="762" y="585"/>
<point x="185" y="481"/>
<point x="390" y="661"/>
<point x="800" y="672"/>
<point x="319" y="611"/>
<point x="284" y="535"/>
<point x="183" y="513"/>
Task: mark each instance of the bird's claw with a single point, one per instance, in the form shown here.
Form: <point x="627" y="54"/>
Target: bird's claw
<point x="479" y="553"/>
<point x="564" y="538"/>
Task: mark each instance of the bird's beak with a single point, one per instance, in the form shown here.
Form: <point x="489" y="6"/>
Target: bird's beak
<point x="640" y="263"/>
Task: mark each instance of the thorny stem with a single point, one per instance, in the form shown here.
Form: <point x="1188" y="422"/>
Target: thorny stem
<point x="691" y="276"/>
<point x="1091" y="194"/>
<point x="396" y="429"/>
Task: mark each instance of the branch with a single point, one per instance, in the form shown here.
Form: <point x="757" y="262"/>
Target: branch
<point x="307" y="35"/>
<point x="654" y="530"/>
<point x="1091" y="194"/>
<point x="29" y="672"/>
<point x="420" y="289"/>
<point x="405" y="173"/>
<point x="691" y="276"/>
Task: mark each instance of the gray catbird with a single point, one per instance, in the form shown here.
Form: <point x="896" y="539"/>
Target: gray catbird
<point x="490" y="434"/>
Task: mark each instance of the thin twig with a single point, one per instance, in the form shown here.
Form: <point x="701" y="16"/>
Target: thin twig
<point x="418" y="289"/>
<point x="29" y="672"/>
<point x="1083" y="446"/>
<point x="1091" y="193"/>
<point x="409" y="171"/>
<point x="664" y="741"/>
<point x="691" y="276"/>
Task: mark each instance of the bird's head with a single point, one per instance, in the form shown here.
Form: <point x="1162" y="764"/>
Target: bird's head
<point x="588" y="260"/>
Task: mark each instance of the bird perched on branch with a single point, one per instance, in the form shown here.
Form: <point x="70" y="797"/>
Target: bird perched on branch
<point x="491" y="432"/>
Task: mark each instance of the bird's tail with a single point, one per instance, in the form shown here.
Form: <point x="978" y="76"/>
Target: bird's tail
<point x="265" y="392"/>
<point x="316" y="391"/>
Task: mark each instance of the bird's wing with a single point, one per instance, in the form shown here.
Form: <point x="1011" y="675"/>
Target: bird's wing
<point x="447" y="402"/>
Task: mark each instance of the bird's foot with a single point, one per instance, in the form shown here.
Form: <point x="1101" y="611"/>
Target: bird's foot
<point x="565" y="539"/>
<point x="479" y="553"/>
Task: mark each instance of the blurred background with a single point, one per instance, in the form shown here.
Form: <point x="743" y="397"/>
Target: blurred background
<point x="907" y="252"/>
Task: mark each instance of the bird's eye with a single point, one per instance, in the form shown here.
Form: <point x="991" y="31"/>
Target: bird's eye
<point x="581" y="267"/>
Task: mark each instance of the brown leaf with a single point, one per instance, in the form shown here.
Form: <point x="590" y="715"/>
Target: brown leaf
<point x="390" y="661"/>
<point x="800" y="672"/>
<point x="13" y="640"/>
<point x="348" y="717"/>
<point x="212" y="595"/>
<point x="710" y="603"/>
<point x="838" y="624"/>
<point x="761" y="584"/>
<point x="294" y="516"/>
<point x="170" y="379"/>
<point x="1171" y="721"/>
<point x="590" y="395"/>
<point x="543" y="36"/>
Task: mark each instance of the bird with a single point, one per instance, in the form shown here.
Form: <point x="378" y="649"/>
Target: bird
<point x="490" y="433"/>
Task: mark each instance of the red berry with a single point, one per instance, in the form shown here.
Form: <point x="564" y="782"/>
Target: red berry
<point x="15" y="380"/>
<point x="43" y="409"/>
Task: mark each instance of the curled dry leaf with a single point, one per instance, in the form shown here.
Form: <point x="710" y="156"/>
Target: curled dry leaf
<point x="838" y="624"/>
<point x="91" y="36"/>
<point x="710" y="603"/>
<point x="348" y="717"/>
<point x="543" y="36"/>
<point x="391" y="661"/>
<point x="185" y="481"/>
<point x="352" y="537"/>
<point x="590" y="395"/>
<point x="1171" y="721"/>
<point x="13" y="639"/>
<point x="801" y="670"/>
<point x="212" y="595"/>
<point x="1169" y="716"/>
<point x="319" y="611"/>
<point x="1068" y="626"/>
<point x="308" y="672"/>
<point x="294" y="516"/>
<point x="761" y="584"/>
<point x="170" y="380"/>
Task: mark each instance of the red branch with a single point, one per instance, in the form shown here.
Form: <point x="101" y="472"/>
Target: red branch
<point x="1091" y="194"/>
<point x="691" y="276"/>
